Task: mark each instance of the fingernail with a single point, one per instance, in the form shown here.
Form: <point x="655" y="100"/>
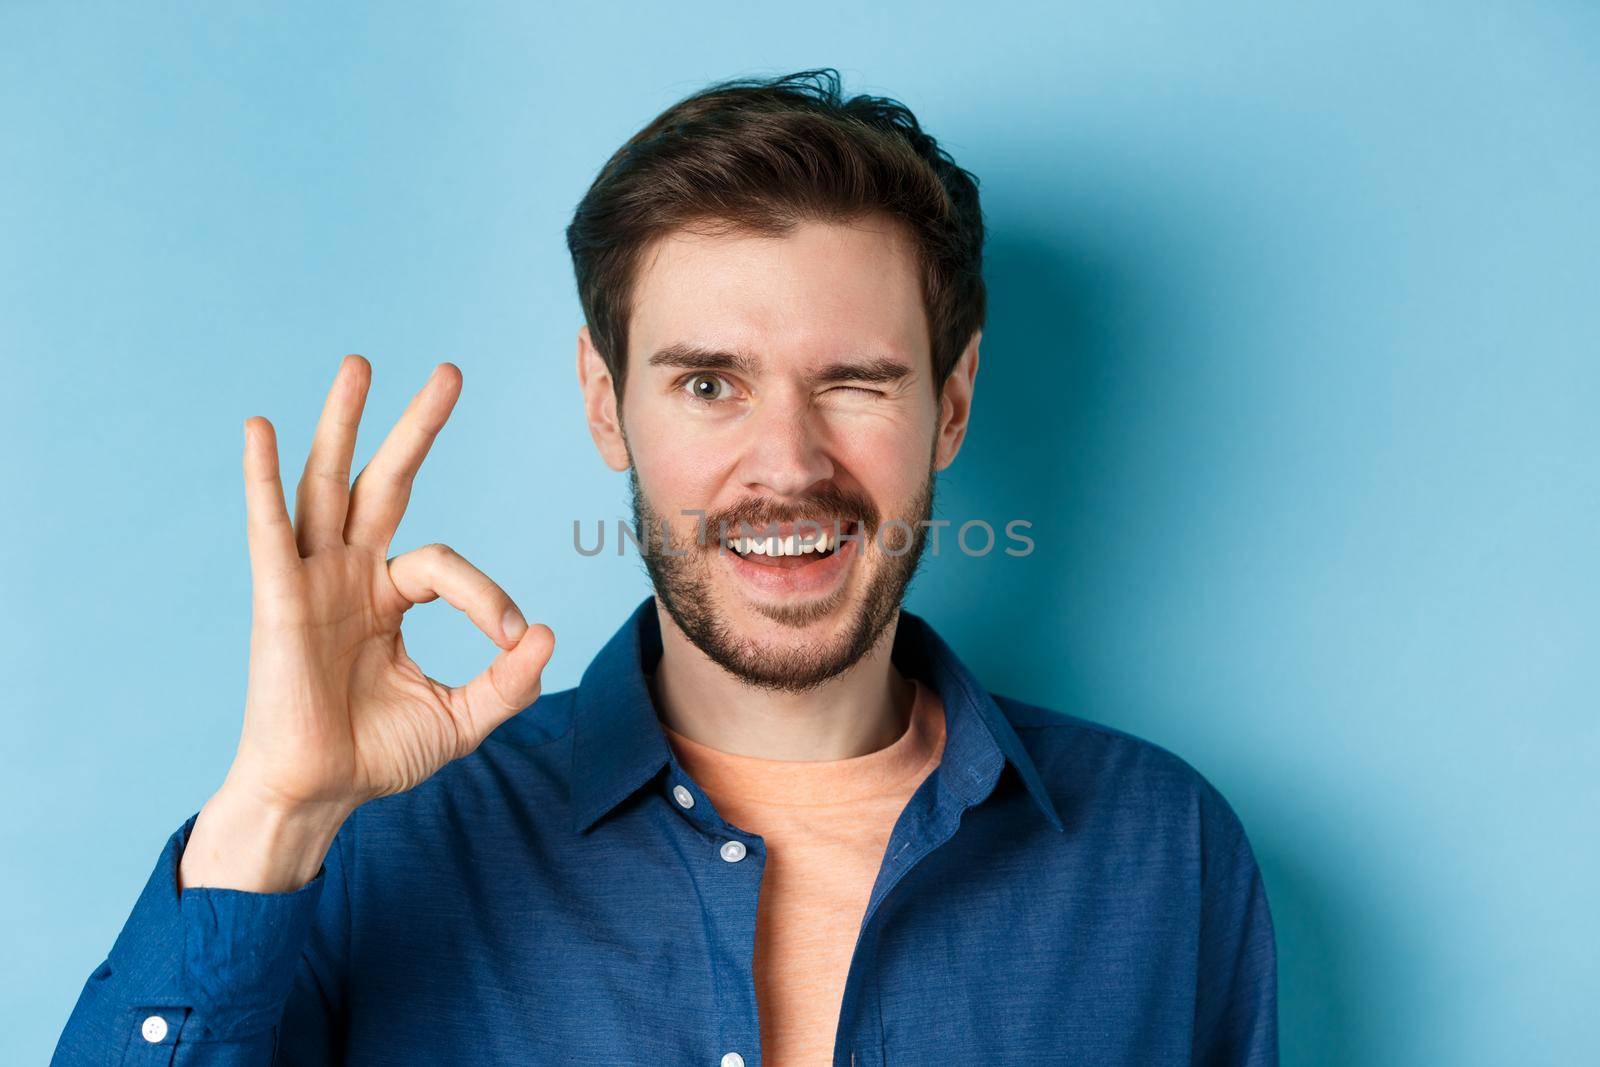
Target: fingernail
<point x="513" y="625"/>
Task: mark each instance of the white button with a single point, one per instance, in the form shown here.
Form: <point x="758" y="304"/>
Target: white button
<point x="733" y="852"/>
<point x="154" y="1028"/>
<point x="733" y="1059"/>
<point x="683" y="796"/>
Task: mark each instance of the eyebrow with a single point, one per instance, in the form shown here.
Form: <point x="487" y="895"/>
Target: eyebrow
<point x="690" y="356"/>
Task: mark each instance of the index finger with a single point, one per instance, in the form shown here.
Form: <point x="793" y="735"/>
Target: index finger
<point x="382" y="489"/>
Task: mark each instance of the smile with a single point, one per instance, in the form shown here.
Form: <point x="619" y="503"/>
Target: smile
<point x="789" y="561"/>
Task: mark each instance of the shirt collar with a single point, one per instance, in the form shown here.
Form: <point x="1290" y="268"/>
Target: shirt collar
<point x="618" y="744"/>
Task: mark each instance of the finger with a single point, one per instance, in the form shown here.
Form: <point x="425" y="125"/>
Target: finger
<point x="271" y="537"/>
<point x="506" y="686"/>
<point x="324" y="490"/>
<point x="433" y="571"/>
<point x="378" y="499"/>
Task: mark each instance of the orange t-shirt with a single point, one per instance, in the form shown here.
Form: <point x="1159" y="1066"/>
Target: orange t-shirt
<point x="826" y="825"/>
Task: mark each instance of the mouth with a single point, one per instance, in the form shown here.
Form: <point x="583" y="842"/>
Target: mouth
<point x="794" y="558"/>
<point x="791" y="545"/>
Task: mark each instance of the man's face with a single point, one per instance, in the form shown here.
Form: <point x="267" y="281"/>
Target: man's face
<point x="782" y="381"/>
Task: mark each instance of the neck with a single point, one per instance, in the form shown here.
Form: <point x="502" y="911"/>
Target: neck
<point x="861" y="710"/>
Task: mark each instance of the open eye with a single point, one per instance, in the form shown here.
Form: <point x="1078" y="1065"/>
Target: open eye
<point x="706" y="386"/>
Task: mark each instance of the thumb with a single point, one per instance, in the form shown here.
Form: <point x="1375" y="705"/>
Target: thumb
<point x="509" y="684"/>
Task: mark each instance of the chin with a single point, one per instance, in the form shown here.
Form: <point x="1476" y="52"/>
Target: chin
<point x="804" y="618"/>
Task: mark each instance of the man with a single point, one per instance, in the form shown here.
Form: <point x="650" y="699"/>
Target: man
<point x="778" y="822"/>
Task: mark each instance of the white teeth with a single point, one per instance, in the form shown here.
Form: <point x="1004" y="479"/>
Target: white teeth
<point x="793" y="545"/>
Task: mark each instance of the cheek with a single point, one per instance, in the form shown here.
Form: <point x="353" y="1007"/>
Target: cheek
<point x="889" y="460"/>
<point x="676" y="470"/>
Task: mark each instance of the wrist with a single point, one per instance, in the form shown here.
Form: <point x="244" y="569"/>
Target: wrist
<point x="242" y="841"/>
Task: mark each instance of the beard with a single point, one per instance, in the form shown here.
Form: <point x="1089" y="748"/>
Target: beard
<point x="681" y="573"/>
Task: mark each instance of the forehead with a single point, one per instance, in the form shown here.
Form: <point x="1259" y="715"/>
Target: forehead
<point x="822" y="291"/>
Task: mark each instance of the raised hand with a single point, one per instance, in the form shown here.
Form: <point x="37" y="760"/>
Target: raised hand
<point x="336" y="712"/>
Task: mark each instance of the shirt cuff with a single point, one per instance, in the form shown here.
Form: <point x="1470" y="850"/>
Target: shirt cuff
<point x="230" y="954"/>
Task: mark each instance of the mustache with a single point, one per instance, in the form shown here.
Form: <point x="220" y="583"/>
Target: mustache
<point x="827" y="507"/>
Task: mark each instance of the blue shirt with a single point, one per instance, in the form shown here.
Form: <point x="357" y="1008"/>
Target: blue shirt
<point x="1056" y="891"/>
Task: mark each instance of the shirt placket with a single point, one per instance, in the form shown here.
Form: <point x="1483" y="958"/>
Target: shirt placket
<point x="733" y="861"/>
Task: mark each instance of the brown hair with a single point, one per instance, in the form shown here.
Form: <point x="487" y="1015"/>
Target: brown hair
<point x="760" y="155"/>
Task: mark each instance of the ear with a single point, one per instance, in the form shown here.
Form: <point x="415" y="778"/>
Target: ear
<point x="955" y="404"/>
<point x="600" y="403"/>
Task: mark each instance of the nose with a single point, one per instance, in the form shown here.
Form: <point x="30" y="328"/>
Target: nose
<point x="786" y="452"/>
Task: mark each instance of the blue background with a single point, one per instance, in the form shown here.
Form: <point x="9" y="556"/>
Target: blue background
<point x="1292" y="362"/>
